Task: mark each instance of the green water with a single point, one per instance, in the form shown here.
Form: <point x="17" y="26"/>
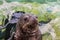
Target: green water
<point x="39" y="1"/>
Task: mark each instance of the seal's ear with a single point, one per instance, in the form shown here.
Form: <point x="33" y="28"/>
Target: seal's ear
<point x="35" y="16"/>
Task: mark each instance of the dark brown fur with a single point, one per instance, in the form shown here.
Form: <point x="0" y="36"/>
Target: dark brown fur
<point x="27" y="28"/>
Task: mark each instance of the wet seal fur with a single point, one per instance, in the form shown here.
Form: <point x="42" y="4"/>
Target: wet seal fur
<point x="27" y="28"/>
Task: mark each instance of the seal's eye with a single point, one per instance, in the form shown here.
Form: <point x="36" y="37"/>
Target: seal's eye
<point x="25" y="19"/>
<point x="36" y="17"/>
